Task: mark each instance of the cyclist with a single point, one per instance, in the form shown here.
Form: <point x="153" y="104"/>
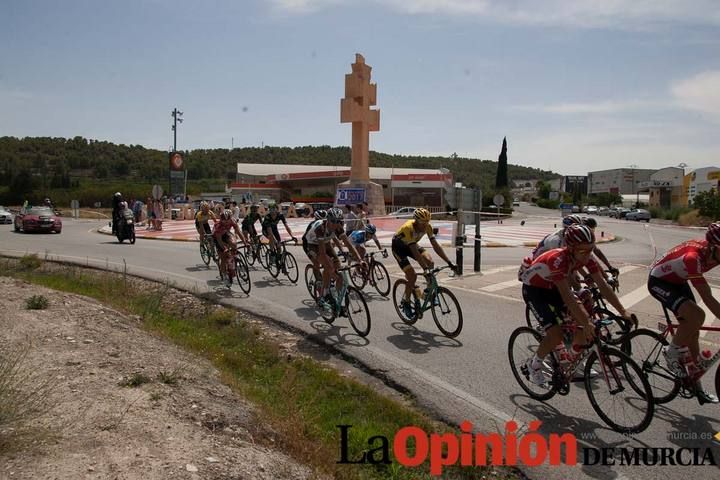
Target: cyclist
<point x="668" y="283"/>
<point x="248" y="223"/>
<point x="202" y="220"/>
<point x="270" y="227"/>
<point x="546" y="290"/>
<point x="224" y="239"/>
<point x="359" y="237"/>
<point x="317" y="245"/>
<point x="555" y="239"/>
<point x="592" y="223"/>
<point x="404" y="245"/>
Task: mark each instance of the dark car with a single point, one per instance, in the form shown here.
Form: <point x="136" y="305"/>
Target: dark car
<point x="619" y="213"/>
<point x="37" y="219"/>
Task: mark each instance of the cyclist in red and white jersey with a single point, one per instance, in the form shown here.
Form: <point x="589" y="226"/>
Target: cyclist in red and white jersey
<point x="668" y="283"/>
<point x="222" y="234"/>
<point x="546" y="290"/>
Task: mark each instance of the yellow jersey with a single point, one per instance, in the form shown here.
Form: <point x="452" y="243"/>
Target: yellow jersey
<point x="409" y="235"/>
<point x="201" y="217"/>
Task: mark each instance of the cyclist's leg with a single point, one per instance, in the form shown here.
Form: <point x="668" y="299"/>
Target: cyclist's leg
<point x="548" y="307"/>
<point x="401" y="252"/>
<point x="680" y="300"/>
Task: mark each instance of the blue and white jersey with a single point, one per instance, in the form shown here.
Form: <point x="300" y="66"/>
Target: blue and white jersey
<point x="358" y="238"/>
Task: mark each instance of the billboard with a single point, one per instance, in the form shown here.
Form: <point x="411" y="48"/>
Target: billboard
<point x="350" y="196"/>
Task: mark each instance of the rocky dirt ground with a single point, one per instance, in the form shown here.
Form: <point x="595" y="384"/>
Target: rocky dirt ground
<point x="183" y="423"/>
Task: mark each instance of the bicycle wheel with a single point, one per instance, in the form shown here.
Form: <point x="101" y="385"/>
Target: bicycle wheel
<point x="447" y="313"/>
<point x="380" y="278"/>
<point x="357" y="278"/>
<point x="310" y="281"/>
<point x="717" y="382"/>
<point x="250" y="255"/>
<point x="242" y="273"/>
<point x="291" y="267"/>
<point x="204" y="254"/>
<point x="262" y="250"/>
<point x="615" y="332"/>
<point x="522" y="346"/>
<point x="272" y="262"/>
<point x="357" y="311"/>
<point x="645" y="347"/>
<point x="398" y="293"/>
<point x="625" y="410"/>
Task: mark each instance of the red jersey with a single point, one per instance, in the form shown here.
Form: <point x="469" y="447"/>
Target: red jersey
<point x="553" y="266"/>
<point x="223" y="226"/>
<point x="684" y="262"/>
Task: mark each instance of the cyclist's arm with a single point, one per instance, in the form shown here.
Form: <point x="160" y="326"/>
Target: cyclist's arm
<point x="287" y="228"/>
<point x="608" y="293"/>
<point x="239" y="233"/>
<point x="705" y="293"/>
<point x="439" y="250"/>
<point x="377" y="242"/>
<point x="577" y="312"/>
<point x="599" y="254"/>
<point x="350" y="247"/>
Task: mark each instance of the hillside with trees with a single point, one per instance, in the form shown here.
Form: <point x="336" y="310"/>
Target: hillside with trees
<point x="33" y="167"/>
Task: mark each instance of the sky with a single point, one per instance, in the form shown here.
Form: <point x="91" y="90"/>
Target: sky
<point x="575" y="86"/>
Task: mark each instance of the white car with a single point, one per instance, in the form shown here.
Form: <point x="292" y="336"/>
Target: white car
<point x="405" y="212"/>
<point x="5" y="215"/>
<point x="637" y="215"/>
<point x="592" y="210"/>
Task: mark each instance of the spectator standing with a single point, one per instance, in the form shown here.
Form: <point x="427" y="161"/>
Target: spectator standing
<point x="350" y="220"/>
<point x="235" y="211"/>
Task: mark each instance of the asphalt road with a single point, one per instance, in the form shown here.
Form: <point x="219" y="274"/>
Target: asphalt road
<point x="467" y="378"/>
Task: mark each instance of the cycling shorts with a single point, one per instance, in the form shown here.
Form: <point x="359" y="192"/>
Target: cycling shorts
<point x="670" y="295"/>
<point x="401" y="251"/>
<point x="546" y="304"/>
<point x="267" y="230"/>
<point x="313" y="250"/>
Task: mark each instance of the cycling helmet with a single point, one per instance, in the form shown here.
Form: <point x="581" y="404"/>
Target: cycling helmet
<point x="254" y="207"/>
<point x="370" y="229"/>
<point x="118" y="194"/>
<point x="590" y="222"/>
<point x="204" y="205"/>
<point x="335" y="215"/>
<point x="273" y="207"/>
<point x="571" y="220"/>
<point x="713" y="233"/>
<point x="320" y="214"/>
<point x="226" y="214"/>
<point x="576" y="235"/>
<point x="422" y="214"/>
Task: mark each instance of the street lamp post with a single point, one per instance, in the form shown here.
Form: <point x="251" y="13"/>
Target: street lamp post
<point x="636" y="190"/>
<point x="177" y="118"/>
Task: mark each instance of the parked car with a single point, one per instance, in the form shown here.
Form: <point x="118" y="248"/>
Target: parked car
<point x="5" y="215"/>
<point x="603" y="211"/>
<point x="619" y="212"/>
<point x="592" y="210"/>
<point x="637" y="215"/>
<point x="38" y="219"/>
<point x="575" y="209"/>
<point x="405" y="212"/>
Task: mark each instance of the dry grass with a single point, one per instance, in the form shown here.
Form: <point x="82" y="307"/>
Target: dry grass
<point x="25" y="396"/>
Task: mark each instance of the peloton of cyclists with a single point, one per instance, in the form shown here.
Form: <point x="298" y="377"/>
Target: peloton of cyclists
<point x="270" y="227"/>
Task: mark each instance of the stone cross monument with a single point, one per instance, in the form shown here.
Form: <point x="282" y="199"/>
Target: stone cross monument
<point x="360" y="95"/>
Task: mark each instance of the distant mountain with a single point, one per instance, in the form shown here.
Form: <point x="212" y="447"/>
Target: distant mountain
<point x="58" y="160"/>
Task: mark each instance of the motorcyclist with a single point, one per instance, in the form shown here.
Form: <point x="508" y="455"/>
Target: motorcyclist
<point x="116" y="211"/>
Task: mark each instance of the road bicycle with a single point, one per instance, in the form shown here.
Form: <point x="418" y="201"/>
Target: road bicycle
<point x="646" y="348"/>
<point x="282" y="261"/>
<point x="236" y="267"/>
<point x="443" y="304"/>
<point x="375" y="274"/>
<point x="620" y="394"/>
<point x="207" y="250"/>
<point x="257" y="251"/>
<point x="347" y="301"/>
<point x="614" y="332"/>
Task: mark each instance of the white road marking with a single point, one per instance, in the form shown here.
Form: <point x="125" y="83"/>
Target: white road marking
<point x="501" y="286"/>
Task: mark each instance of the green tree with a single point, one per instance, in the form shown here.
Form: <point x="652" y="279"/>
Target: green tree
<point x="501" y="179"/>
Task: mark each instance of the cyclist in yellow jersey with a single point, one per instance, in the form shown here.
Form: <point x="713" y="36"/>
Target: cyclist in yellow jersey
<point x="404" y="246"/>
<point x="202" y="220"/>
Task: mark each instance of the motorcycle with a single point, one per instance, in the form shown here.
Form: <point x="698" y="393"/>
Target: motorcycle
<point x="125" y="229"/>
